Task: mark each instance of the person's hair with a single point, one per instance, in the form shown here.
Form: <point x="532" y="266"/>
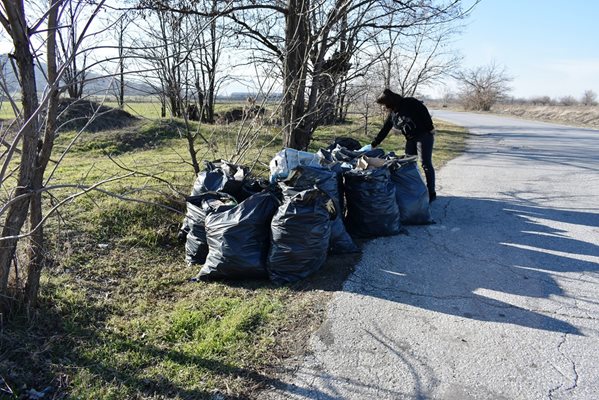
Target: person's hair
<point x="389" y="99"/>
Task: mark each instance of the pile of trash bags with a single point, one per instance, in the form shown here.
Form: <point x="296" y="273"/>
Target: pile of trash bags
<point x="238" y="226"/>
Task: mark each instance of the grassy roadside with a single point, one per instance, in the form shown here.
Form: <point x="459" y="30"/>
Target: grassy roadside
<point x="119" y="318"/>
<point x="580" y="116"/>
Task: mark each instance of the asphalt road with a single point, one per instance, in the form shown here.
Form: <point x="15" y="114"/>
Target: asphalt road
<point x="498" y="300"/>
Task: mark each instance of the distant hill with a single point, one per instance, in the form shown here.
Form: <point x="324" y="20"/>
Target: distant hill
<point x="238" y="96"/>
<point x="97" y="85"/>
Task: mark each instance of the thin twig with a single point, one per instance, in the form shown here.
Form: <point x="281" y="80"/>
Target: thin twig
<point x="125" y="168"/>
<point x="85" y="190"/>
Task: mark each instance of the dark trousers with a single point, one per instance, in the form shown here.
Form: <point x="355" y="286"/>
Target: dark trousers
<point x="422" y="146"/>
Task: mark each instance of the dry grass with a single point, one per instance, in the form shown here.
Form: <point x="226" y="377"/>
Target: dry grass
<point x="584" y="116"/>
<point x="587" y="116"/>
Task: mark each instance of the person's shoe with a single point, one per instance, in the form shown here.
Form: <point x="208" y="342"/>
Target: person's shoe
<point x="432" y="196"/>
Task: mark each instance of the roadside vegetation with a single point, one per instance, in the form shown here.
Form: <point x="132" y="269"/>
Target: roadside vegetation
<point x="119" y="318"/>
<point x="487" y="89"/>
<point x="577" y="115"/>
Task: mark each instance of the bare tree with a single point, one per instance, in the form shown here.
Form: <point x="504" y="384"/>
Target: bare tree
<point x="542" y="101"/>
<point x="589" y="98"/>
<point x="34" y="137"/>
<point x="121" y="28"/>
<point x="418" y="57"/>
<point x="181" y="50"/>
<point x="70" y="52"/>
<point x="180" y="57"/>
<point x="316" y="44"/>
<point x="210" y="51"/>
<point x="568" y="101"/>
<point x="483" y="86"/>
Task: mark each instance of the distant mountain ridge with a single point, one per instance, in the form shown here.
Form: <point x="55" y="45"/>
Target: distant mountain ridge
<point x="97" y="84"/>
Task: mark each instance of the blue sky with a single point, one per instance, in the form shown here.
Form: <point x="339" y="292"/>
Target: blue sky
<point x="550" y="47"/>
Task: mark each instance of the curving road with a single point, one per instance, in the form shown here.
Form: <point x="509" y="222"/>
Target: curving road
<point x="498" y="300"/>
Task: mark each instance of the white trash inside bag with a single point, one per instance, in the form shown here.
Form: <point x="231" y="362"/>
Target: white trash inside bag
<point x="287" y="159"/>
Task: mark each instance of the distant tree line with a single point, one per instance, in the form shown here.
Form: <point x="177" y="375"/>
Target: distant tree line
<point x="588" y="98"/>
<point x="484" y="86"/>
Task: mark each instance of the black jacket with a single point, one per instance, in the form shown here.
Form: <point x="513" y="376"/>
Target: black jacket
<point x="411" y="118"/>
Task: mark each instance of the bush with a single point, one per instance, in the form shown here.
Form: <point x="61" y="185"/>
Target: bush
<point x="568" y="101"/>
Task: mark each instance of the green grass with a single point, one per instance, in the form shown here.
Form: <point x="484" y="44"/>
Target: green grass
<point x="119" y="318"/>
<point x="145" y="109"/>
<point x="149" y="110"/>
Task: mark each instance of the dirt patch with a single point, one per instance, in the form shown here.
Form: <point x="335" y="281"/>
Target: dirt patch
<point x="77" y="114"/>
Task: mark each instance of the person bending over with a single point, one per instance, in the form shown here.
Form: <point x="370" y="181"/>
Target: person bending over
<point x="411" y="117"/>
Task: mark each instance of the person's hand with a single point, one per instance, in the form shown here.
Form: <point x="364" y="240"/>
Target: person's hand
<point x="368" y="147"/>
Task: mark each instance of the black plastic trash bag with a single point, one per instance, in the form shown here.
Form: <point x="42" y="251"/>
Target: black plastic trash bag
<point x="411" y="192"/>
<point x="238" y="239"/>
<point x="304" y="178"/>
<point x="347" y="142"/>
<point x="220" y="176"/>
<point x="205" y="182"/>
<point x="344" y="155"/>
<point x="340" y="168"/>
<point x="301" y="230"/>
<point x="371" y="206"/>
<point x="198" y="208"/>
<point x="252" y="186"/>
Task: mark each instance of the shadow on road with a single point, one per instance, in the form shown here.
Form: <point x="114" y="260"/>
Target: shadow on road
<point x="489" y="260"/>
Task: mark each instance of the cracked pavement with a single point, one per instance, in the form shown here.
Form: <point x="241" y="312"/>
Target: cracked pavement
<point x="498" y="300"/>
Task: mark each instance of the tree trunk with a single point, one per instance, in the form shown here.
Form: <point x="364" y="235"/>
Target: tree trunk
<point x="327" y="114"/>
<point x="212" y="71"/>
<point x="36" y="251"/>
<point x="162" y="106"/>
<point x="17" y="212"/>
<point x="296" y="38"/>
<point x="174" y="101"/>
<point x="121" y="99"/>
<point x="192" y="153"/>
<point x="37" y="248"/>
